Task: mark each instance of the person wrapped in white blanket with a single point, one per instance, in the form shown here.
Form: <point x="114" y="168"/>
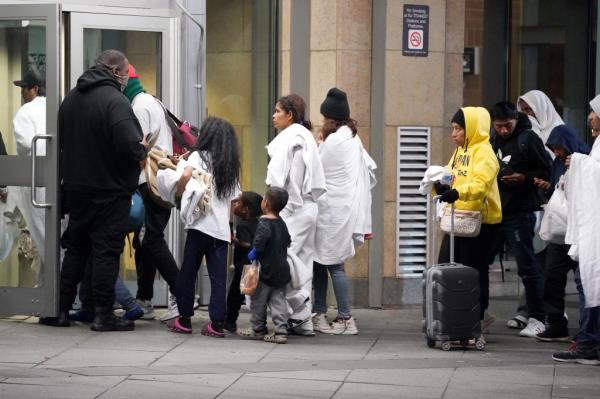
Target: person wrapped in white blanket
<point x="344" y="210"/>
<point x="582" y="191"/>
<point x="295" y="166"/>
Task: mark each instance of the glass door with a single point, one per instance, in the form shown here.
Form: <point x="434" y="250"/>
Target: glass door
<point x="149" y="44"/>
<point x="29" y="208"/>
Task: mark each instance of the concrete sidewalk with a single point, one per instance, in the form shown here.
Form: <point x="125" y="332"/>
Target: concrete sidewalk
<point x="388" y="359"/>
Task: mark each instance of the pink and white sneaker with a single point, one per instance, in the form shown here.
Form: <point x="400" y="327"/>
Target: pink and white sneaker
<point x="175" y="326"/>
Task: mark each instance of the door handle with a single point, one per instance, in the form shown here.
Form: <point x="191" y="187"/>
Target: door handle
<point x="33" y="152"/>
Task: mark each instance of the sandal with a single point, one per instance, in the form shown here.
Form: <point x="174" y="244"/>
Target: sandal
<point x="276" y="338"/>
<point x="209" y="330"/>
<point x="249" y="333"/>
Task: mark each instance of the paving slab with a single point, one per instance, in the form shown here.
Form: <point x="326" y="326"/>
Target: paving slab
<point x="249" y="386"/>
<point x="75" y="387"/>
<point x="379" y="391"/>
<point x="192" y="386"/>
<point x="437" y="378"/>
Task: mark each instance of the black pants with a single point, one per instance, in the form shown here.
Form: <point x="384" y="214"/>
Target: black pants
<point x="234" y="296"/>
<point x="152" y="253"/>
<point x="476" y="252"/>
<point x="558" y="265"/>
<point x="97" y="228"/>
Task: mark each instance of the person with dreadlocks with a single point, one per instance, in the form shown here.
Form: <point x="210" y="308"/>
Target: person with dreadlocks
<point x="217" y="153"/>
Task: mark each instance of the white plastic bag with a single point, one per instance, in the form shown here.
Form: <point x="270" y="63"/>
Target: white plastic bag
<point x="554" y="223"/>
<point x="9" y="232"/>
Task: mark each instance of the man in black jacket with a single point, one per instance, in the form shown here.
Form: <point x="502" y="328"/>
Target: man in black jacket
<point x="102" y="152"/>
<point x="522" y="157"/>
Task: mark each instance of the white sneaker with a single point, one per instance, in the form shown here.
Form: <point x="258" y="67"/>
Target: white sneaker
<point x="534" y="327"/>
<point x="321" y="324"/>
<point x="172" y="311"/>
<point x="343" y="327"/>
<point x="147" y="308"/>
<point x="196" y="303"/>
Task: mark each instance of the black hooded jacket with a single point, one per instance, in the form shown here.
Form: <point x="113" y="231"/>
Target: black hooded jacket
<point x="526" y="155"/>
<point x="99" y="137"/>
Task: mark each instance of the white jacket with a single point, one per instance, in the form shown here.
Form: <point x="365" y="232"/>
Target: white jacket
<point x="29" y="121"/>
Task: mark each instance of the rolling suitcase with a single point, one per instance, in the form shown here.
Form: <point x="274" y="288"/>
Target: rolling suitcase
<point x="451" y="307"/>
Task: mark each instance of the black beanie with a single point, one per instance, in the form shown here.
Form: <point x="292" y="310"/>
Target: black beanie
<point x="336" y="105"/>
<point x="459" y="118"/>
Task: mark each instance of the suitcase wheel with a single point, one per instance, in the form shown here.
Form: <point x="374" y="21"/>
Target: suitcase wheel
<point x="446" y="345"/>
<point x="480" y="344"/>
<point x="430" y="343"/>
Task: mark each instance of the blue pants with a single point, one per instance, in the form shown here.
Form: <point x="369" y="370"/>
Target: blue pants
<point x="197" y="246"/>
<point x="340" y="288"/>
<point x="518" y="232"/>
<point x="588" y="336"/>
<point x="122" y="295"/>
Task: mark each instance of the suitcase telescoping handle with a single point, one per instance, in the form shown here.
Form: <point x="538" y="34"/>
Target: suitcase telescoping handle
<point x="436" y="199"/>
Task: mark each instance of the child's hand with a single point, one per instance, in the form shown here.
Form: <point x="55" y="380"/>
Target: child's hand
<point x="252" y="255"/>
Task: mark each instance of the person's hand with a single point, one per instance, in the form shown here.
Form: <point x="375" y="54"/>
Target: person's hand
<point x="541" y="183"/>
<point x="568" y="161"/>
<point x="449" y="196"/>
<point x="143" y="164"/>
<point x="252" y="254"/>
<point x="440" y="188"/>
<point x="145" y="140"/>
<point x="515" y="179"/>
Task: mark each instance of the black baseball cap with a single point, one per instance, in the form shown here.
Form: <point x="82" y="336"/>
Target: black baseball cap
<point x="30" y="79"/>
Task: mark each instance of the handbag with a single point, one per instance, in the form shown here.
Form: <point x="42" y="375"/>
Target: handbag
<point x="184" y="133"/>
<point x="466" y="223"/>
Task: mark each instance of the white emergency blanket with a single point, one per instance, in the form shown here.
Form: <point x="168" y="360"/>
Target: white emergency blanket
<point x="345" y="209"/>
<point x="582" y="191"/>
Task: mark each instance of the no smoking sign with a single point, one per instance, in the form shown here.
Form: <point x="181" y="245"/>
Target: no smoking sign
<point x="415" y="39"/>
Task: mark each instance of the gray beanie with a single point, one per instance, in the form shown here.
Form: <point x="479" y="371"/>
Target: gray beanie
<point x="595" y="104"/>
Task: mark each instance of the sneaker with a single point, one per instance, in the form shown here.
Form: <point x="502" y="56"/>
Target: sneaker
<point x="176" y="325"/>
<point x="276" y="338"/>
<point x="172" y="310"/>
<point x="320" y="323"/>
<point x="533" y="329"/>
<point x="301" y="327"/>
<point x="554" y="334"/>
<point x="147" y="308"/>
<point x="231" y="327"/>
<point x="133" y="313"/>
<point x="213" y="330"/>
<point x="589" y="357"/>
<point x="344" y="327"/>
<point x="518" y="322"/>
<point x="249" y="333"/>
<point x="486" y="323"/>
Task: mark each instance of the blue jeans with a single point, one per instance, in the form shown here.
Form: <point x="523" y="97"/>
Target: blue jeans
<point x="588" y="336"/>
<point x="197" y="246"/>
<point x="122" y="295"/>
<point x="340" y="288"/>
<point x="518" y="234"/>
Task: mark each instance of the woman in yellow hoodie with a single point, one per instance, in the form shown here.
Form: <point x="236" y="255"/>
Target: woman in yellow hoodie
<point x="474" y="169"/>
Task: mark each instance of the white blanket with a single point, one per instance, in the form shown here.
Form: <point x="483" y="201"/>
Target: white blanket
<point x="433" y="174"/>
<point x="191" y="201"/>
<point x="582" y="193"/>
<point x="281" y="151"/>
<point x="344" y="211"/>
<point x="167" y="179"/>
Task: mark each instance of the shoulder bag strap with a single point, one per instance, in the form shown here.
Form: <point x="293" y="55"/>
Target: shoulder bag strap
<point x="171" y="121"/>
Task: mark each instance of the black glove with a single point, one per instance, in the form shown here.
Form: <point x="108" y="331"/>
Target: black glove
<point x="449" y="196"/>
<point x="440" y="188"/>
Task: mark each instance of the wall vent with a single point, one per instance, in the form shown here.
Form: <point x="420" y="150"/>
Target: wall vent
<point x="413" y="158"/>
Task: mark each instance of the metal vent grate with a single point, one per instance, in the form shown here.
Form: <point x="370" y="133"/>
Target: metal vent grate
<point x="413" y="158"/>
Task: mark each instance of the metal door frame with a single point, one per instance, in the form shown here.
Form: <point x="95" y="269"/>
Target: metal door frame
<point x="17" y="170"/>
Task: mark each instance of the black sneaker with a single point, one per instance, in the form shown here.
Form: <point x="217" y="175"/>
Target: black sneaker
<point x="231" y="327"/>
<point x="588" y="357"/>
<point x="554" y="334"/>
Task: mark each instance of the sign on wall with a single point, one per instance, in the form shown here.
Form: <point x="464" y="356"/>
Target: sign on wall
<point x="415" y="36"/>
